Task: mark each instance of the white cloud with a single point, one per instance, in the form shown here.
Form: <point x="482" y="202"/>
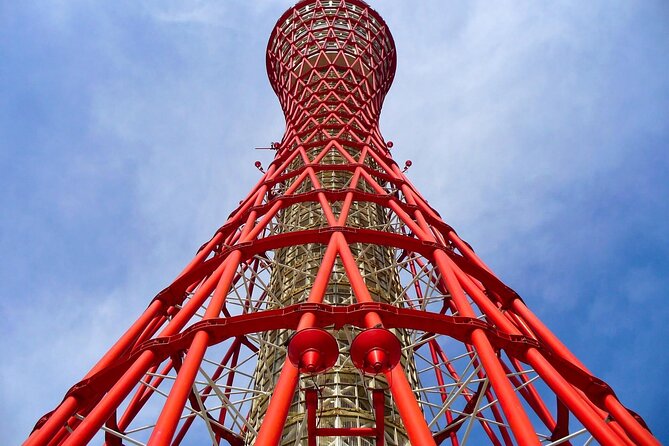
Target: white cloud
<point x="511" y="115"/>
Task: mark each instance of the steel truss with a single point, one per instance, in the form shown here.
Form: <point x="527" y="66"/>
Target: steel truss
<point x="335" y="236"/>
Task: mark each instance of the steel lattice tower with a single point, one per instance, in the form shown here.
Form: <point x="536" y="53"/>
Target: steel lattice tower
<point x="335" y="306"/>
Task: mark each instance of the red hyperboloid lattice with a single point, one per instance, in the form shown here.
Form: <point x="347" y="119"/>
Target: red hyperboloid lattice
<point x="403" y="333"/>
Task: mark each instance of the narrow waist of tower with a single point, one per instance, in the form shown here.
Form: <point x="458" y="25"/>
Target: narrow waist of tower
<point x="331" y="65"/>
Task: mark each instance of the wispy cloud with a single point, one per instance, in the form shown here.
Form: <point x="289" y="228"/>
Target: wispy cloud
<point x="537" y="130"/>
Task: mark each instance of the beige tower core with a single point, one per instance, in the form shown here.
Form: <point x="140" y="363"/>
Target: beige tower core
<point x="344" y="400"/>
<point x="314" y="54"/>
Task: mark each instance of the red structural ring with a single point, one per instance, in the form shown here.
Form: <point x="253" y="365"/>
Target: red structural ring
<point x="322" y="236"/>
<point x="338" y="195"/>
<point x="220" y="329"/>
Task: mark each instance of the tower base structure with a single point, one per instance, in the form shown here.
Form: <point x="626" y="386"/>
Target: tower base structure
<point x="335" y="306"/>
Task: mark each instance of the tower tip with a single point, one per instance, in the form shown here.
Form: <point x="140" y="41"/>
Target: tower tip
<point x="344" y="39"/>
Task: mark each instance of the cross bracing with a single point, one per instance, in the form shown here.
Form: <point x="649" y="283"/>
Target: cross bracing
<point x="334" y="236"/>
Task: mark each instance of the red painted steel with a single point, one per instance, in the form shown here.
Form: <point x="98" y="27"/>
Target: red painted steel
<point x="476" y="366"/>
<point x="313" y="350"/>
<point x="375" y="351"/>
<point x="311" y="401"/>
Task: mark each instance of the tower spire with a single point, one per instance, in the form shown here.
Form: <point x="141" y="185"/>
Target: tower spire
<point x="335" y="306"/>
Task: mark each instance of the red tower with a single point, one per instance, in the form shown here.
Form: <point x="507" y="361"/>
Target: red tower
<point x="335" y="306"/>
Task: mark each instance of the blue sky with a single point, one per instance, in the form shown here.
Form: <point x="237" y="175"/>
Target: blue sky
<point x="538" y="130"/>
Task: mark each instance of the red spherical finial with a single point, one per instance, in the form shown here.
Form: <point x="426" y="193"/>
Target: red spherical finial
<point x="389" y="144"/>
